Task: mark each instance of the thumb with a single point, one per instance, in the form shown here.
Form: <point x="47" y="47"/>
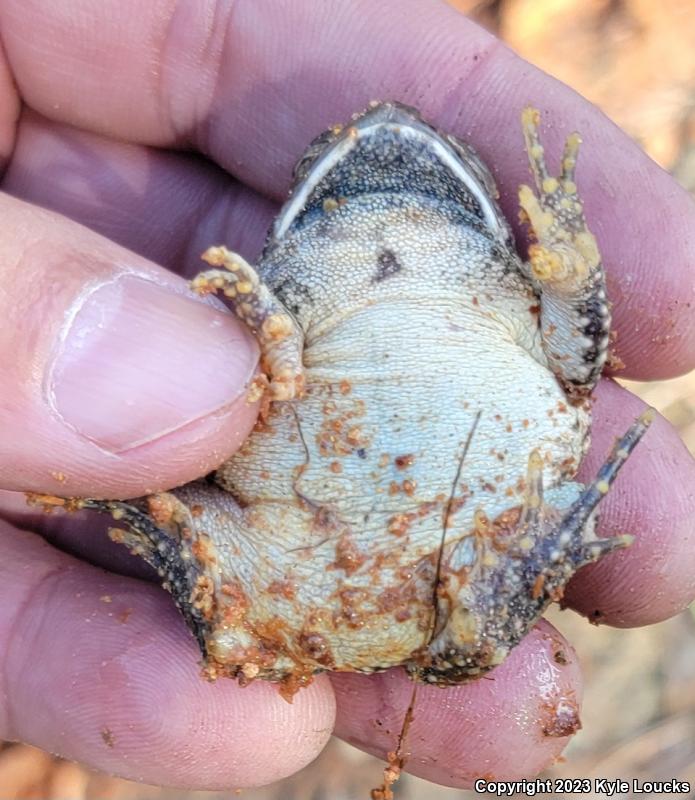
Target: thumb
<point x="116" y="379"/>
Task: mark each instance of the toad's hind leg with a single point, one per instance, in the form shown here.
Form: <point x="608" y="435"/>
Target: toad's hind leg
<point x="199" y="541"/>
<point x="160" y="529"/>
<point x="564" y="266"/>
<point x="279" y="336"/>
<point x="496" y="582"/>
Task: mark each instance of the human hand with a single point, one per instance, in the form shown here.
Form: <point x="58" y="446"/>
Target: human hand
<point x="97" y="666"/>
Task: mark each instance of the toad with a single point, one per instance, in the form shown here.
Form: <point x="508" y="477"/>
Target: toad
<point x="408" y="496"/>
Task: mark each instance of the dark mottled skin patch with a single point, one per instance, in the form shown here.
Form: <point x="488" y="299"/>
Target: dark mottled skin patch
<point x="292" y="294"/>
<point x="595" y="330"/>
<point x="388" y="265"/>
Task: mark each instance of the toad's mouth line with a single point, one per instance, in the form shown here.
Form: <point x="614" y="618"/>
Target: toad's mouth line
<point x="385" y="117"/>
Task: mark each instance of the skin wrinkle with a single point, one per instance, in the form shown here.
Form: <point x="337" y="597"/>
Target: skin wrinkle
<point x="164" y="97"/>
<point x="186" y="123"/>
<point x="216" y="58"/>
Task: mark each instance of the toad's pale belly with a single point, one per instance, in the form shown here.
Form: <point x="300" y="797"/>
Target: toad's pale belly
<point x="345" y="492"/>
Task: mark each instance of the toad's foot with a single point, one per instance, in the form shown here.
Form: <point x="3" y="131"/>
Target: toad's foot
<point x="160" y="529"/>
<point x="279" y="336"/>
<point x="491" y="594"/>
<point x="565" y="266"/>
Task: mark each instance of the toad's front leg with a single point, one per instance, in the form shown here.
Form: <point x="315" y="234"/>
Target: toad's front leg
<point x="564" y="266"/>
<point x="279" y="336"/>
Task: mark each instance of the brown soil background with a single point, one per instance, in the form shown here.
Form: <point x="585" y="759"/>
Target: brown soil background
<point x="636" y="60"/>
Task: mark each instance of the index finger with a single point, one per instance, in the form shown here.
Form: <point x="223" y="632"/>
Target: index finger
<point x="250" y="83"/>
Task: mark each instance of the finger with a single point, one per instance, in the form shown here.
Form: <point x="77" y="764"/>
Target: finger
<point x="100" y="669"/>
<point x="117" y="379"/>
<point x="195" y="78"/>
<point x="653" y="500"/>
<point x="509" y="724"/>
<point x="166" y="206"/>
